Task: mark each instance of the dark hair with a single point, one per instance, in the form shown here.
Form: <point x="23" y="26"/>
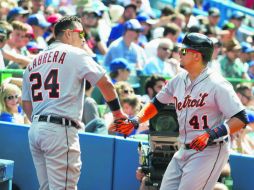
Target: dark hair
<point x="113" y="74"/>
<point x="171" y="28"/>
<point x="152" y="80"/>
<point x="67" y="22"/>
<point x="88" y="85"/>
<point x="167" y="10"/>
<point x="241" y="88"/>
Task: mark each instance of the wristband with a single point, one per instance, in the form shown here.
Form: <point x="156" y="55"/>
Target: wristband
<point x="114" y="105"/>
<point x="219" y="131"/>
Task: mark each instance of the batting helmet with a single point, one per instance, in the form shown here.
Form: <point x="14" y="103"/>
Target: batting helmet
<point x="200" y="43"/>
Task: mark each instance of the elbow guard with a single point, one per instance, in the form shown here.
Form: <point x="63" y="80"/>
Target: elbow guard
<point x="159" y="106"/>
<point x="148" y="112"/>
<point x="242" y="115"/>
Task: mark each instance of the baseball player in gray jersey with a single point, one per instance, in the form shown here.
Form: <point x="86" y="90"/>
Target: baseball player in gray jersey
<point x="208" y="111"/>
<point x="53" y="99"/>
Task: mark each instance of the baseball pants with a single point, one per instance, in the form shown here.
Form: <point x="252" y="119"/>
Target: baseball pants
<point x="56" y="155"/>
<point x="194" y="170"/>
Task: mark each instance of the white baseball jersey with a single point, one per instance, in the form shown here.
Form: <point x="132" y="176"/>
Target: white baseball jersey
<point x="200" y="104"/>
<point x="54" y="82"/>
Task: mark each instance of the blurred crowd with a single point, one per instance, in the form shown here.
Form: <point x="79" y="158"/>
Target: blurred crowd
<point x="130" y="39"/>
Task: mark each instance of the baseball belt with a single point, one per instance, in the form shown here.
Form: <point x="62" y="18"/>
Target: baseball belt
<point x="57" y="120"/>
<point x="187" y="146"/>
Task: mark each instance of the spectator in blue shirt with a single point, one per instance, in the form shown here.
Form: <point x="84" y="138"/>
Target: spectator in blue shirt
<point x="117" y="31"/>
<point x="162" y="64"/>
<point x="119" y="70"/>
<point x="126" y="47"/>
<point x="10" y="109"/>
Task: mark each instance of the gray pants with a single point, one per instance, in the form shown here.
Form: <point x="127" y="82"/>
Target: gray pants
<point x="56" y="155"/>
<point x="194" y="170"/>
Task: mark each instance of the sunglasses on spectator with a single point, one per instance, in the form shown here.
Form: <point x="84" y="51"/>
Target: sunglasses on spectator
<point x="11" y="97"/>
<point x="184" y="51"/>
<point x="128" y="91"/>
<point x="165" y="48"/>
<point x="29" y="36"/>
<point x="135" y="30"/>
<point x="90" y="16"/>
<point x="247" y="97"/>
<point x="80" y="32"/>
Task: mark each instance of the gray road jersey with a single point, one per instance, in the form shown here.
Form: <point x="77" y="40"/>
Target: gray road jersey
<point x="54" y="82"/>
<point x="204" y="102"/>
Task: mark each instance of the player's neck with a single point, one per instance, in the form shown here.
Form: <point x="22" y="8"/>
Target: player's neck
<point x="194" y="72"/>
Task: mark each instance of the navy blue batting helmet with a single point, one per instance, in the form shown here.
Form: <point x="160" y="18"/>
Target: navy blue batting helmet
<point x="200" y="43"/>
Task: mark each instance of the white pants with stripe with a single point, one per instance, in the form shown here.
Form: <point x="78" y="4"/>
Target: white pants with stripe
<point x="56" y="155"/>
<point x="192" y="170"/>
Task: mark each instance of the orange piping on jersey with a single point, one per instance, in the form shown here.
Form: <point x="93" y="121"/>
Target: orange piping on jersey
<point x="148" y="112"/>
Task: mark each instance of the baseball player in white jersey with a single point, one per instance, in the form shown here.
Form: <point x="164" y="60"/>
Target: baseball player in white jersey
<point x="53" y="99"/>
<point x="208" y="110"/>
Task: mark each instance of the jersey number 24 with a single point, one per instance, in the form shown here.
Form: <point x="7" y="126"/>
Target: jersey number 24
<point x="50" y="84"/>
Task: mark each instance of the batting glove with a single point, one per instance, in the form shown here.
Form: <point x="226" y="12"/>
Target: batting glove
<point x="124" y="126"/>
<point x="200" y="142"/>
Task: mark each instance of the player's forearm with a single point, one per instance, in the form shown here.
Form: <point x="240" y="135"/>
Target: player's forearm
<point x="107" y="88"/>
<point x="17" y="58"/>
<point x="150" y="110"/>
<point x="147" y="112"/>
<point x="235" y="125"/>
<point x="27" y="106"/>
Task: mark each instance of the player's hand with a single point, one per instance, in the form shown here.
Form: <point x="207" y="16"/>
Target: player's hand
<point x="200" y="142"/>
<point x="124" y="126"/>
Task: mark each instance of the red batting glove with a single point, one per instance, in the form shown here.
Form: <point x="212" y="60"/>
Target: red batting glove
<point x="123" y="126"/>
<point x="200" y="142"/>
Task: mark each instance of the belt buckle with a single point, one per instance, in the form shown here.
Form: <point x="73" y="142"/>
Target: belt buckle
<point x="36" y="117"/>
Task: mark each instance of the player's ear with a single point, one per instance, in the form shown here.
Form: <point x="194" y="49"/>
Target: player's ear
<point x="197" y="56"/>
<point x="67" y="33"/>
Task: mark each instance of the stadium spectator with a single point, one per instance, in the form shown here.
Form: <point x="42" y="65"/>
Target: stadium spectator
<point x="37" y="6"/>
<point x="213" y="20"/>
<point x="17" y="13"/>
<point x="119" y="70"/>
<point x="126" y="47"/>
<point x="161" y="64"/>
<point x="5" y="30"/>
<point x="90" y="18"/>
<point x="10" y="108"/>
<point x="214" y="63"/>
<point x="237" y="18"/>
<point x="15" y="43"/>
<point x="231" y="65"/>
<point x="153" y="85"/>
<point x="118" y="30"/>
<point x="39" y="25"/>
<point x="170" y="31"/>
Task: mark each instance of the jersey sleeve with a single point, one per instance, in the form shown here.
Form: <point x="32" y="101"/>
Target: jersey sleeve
<point x="227" y="100"/>
<point x="90" y="70"/>
<point x="25" y="87"/>
<point x="165" y="96"/>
